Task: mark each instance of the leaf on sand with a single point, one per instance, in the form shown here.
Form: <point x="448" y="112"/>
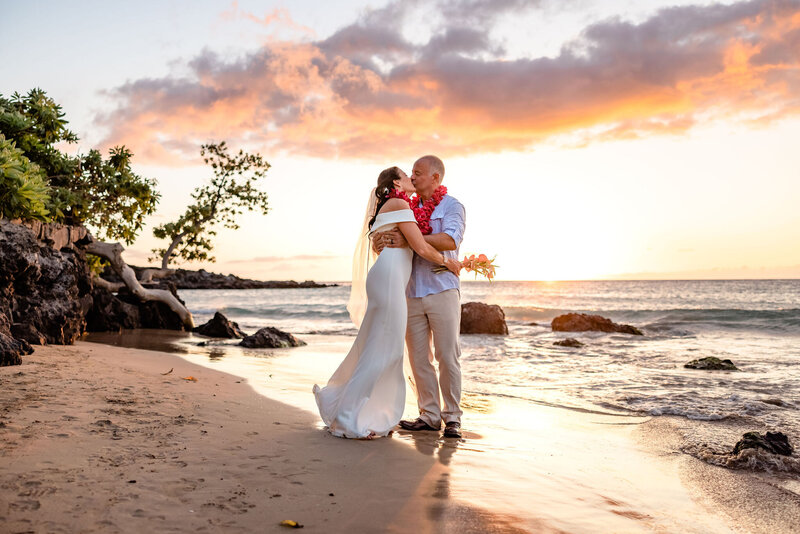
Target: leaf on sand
<point x="291" y="524"/>
<point x="168" y="372"/>
<point x="189" y="378"/>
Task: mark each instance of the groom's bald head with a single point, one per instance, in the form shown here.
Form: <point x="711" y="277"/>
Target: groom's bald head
<point x="433" y="165"/>
<point x="427" y="175"/>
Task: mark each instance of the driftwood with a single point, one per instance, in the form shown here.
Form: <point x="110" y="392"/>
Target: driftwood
<point x="148" y="275"/>
<point x="113" y="253"/>
<point x="105" y="284"/>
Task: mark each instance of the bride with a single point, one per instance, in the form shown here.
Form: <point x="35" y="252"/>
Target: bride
<point x="365" y="397"/>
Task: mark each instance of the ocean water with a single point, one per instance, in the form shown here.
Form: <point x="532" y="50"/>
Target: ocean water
<point x="755" y="323"/>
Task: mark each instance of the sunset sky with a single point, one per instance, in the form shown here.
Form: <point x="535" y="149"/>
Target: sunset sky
<point x="586" y="138"/>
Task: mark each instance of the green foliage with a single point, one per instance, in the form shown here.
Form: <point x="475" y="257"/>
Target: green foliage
<point x="97" y="264"/>
<point x="233" y="188"/>
<point x="108" y="196"/>
<point x="103" y="194"/>
<point x="23" y="190"/>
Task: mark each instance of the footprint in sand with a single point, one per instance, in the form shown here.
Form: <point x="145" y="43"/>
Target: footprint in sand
<point x="25" y="506"/>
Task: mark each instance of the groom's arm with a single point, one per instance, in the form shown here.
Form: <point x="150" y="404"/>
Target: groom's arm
<point x="454" y="222"/>
<point x="395" y="239"/>
<point x="441" y="241"/>
<point x="453" y="225"/>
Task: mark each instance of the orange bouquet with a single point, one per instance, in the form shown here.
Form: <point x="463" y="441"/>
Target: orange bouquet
<point x="480" y="265"/>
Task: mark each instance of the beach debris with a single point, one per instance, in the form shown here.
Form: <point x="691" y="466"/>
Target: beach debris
<point x="291" y="524"/>
<point x="774" y="442"/>
<point x="584" y="322"/>
<point x="220" y="326"/>
<point x="271" y="338"/>
<point x="569" y="342"/>
<point x="480" y="318"/>
<point x="189" y="378"/>
<point x="168" y="372"/>
<point x="711" y="363"/>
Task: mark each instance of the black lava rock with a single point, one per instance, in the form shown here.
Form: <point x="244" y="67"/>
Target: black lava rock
<point x="271" y="338"/>
<point x="583" y="322"/>
<point x="480" y="318"/>
<point x="569" y="342"/>
<point x="220" y="326"/>
<point x="711" y="364"/>
<point x="774" y="442"/>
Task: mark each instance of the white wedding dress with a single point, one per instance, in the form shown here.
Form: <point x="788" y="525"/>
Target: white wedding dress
<point x="367" y="392"/>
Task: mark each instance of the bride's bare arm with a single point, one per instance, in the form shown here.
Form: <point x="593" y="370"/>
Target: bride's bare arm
<point x="418" y="244"/>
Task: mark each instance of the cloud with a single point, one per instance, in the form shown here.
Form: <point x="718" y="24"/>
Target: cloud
<point x="277" y="17"/>
<point x="368" y="91"/>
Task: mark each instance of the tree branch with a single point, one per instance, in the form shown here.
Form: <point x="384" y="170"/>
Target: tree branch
<point x="105" y="284"/>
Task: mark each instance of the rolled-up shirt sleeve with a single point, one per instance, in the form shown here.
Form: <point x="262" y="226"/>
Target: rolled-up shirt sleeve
<point x="454" y="222"/>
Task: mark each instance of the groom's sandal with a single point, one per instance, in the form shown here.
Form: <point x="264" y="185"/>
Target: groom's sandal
<point x="419" y="424"/>
<point x="452" y="429"/>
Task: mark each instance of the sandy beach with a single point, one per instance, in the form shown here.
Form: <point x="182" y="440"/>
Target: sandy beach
<point x="100" y="438"/>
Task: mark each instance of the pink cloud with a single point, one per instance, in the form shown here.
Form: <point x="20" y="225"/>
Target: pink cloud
<point x="367" y="92"/>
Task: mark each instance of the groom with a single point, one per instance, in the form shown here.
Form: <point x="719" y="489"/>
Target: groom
<point x="434" y="307"/>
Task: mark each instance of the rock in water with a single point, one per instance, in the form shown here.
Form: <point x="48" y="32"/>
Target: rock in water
<point x="569" y="342"/>
<point x="583" y="322"/>
<point x="480" y="318"/>
<point x="774" y="442"/>
<point x="271" y="338"/>
<point x="711" y="364"/>
<point x="220" y="326"/>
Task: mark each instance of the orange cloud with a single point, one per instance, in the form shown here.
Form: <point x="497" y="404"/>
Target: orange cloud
<point x="367" y="92"/>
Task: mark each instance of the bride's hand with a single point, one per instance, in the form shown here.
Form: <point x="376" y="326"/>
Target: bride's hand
<point x="454" y="266"/>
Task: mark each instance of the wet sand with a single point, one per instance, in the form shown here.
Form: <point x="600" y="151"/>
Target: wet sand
<point x="97" y="438"/>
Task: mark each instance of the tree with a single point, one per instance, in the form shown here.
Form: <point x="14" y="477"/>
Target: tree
<point x="103" y="194"/>
<point x="39" y="181"/>
<point x="233" y="189"/>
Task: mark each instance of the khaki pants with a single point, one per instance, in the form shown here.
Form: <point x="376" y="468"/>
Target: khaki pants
<point x="437" y="316"/>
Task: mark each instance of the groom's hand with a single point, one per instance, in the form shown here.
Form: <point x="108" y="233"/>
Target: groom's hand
<point x="377" y="242"/>
<point x="394" y="239"/>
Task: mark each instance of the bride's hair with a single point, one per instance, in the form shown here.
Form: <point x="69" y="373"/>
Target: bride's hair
<point x="385" y="184"/>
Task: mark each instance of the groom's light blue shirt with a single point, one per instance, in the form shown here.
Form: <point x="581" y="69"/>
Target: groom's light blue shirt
<point x="449" y="217"/>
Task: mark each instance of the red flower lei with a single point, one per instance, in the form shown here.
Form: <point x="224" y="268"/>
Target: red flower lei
<point x="422" y="213"/>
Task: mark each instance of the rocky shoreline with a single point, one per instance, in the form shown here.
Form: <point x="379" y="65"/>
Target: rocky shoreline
<point x="48" y="295"/>
<point x="202" y="279"/>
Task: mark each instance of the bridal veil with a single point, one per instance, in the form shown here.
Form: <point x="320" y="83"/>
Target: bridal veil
<point x="363" y="258"/>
